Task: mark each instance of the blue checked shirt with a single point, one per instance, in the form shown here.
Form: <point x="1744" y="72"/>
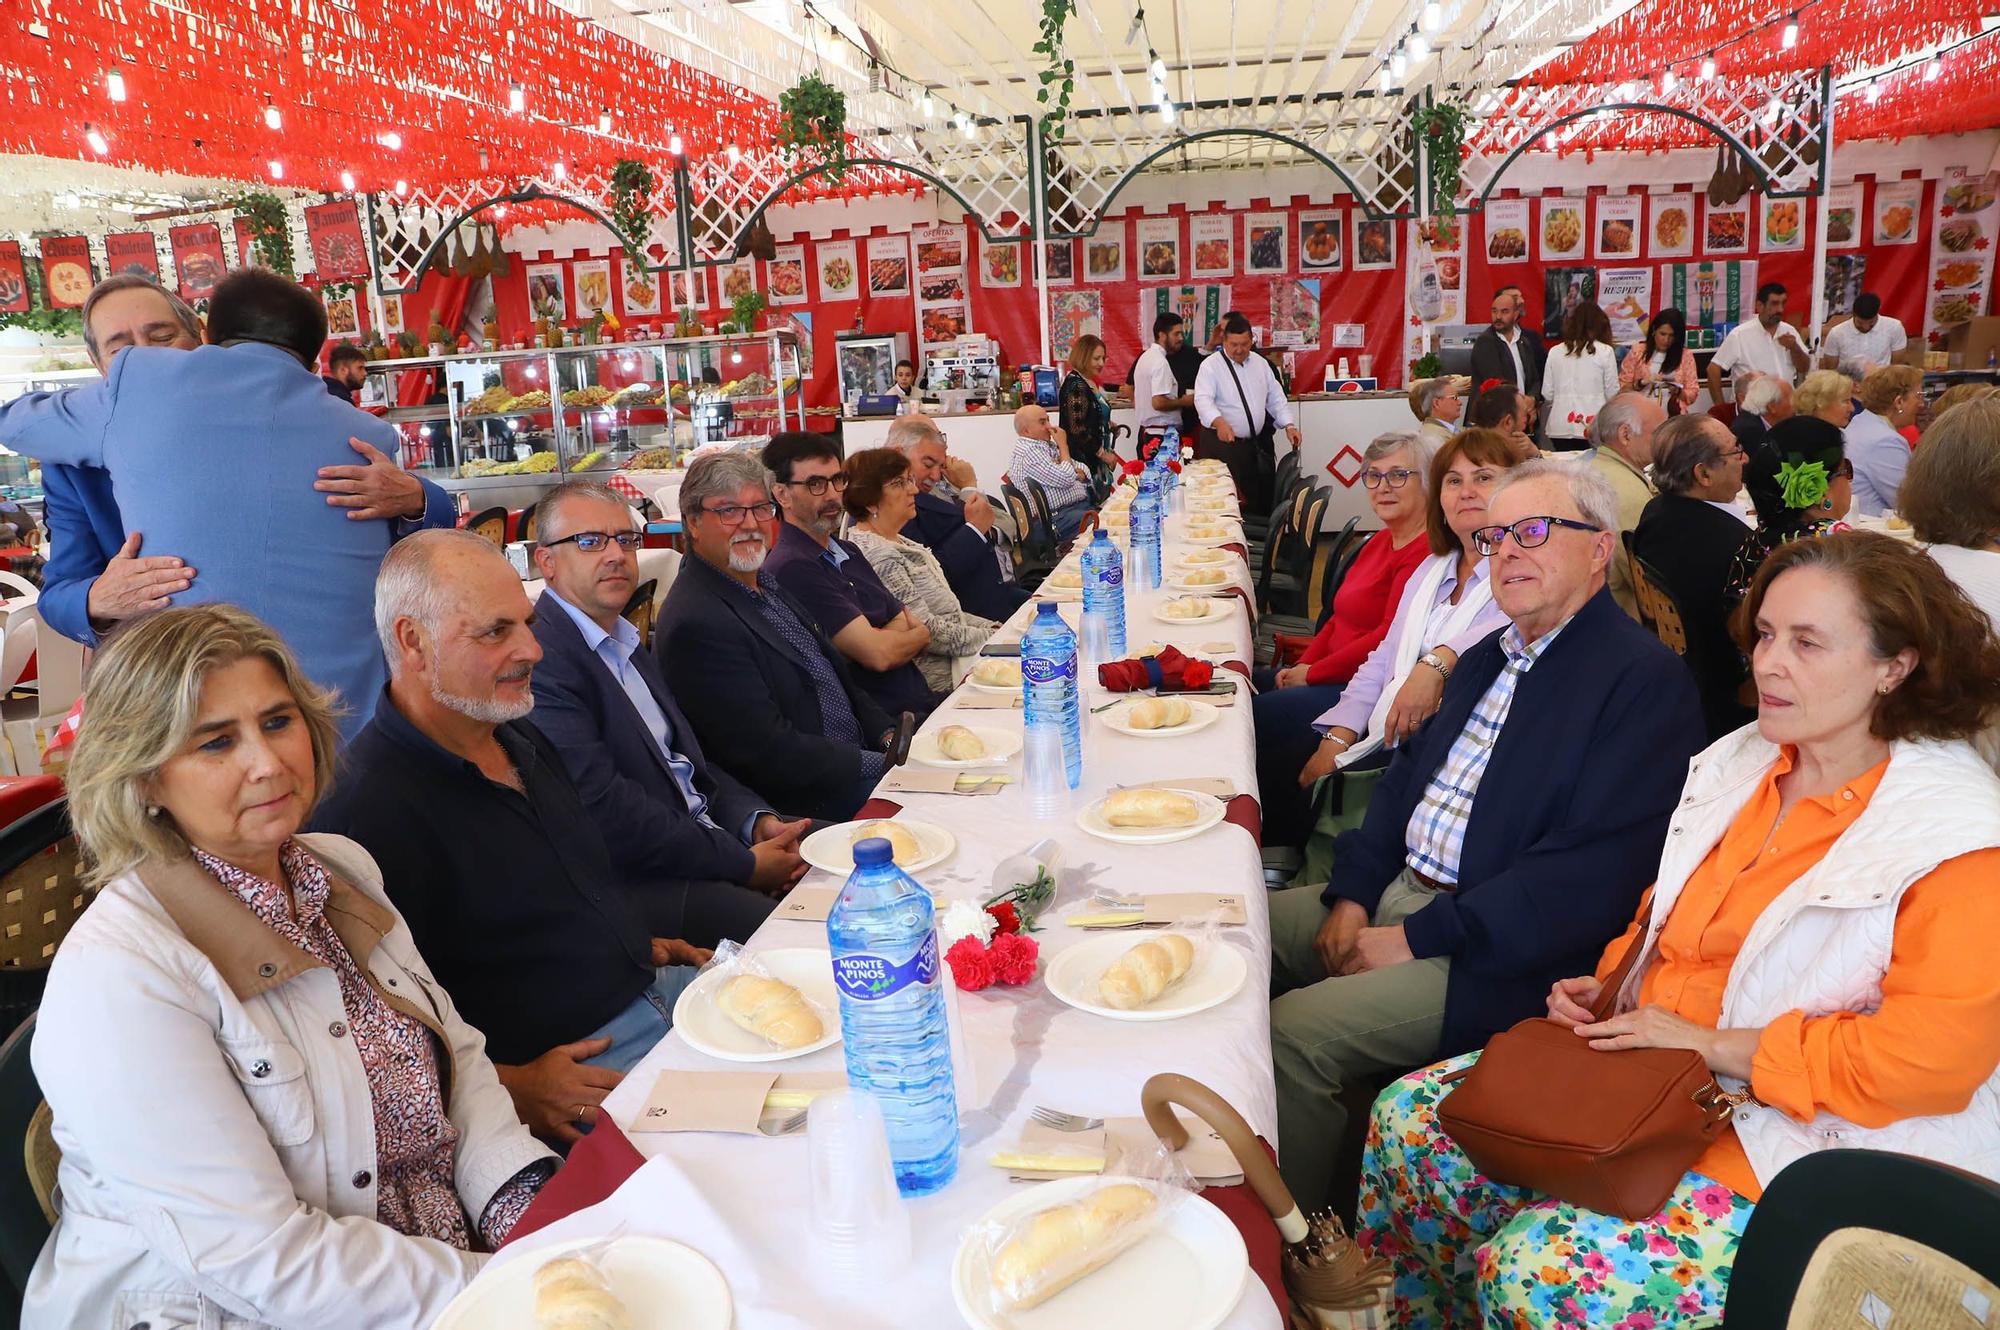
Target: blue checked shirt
<point x="1038" y="460"/>
<point x="1435" y="836"/>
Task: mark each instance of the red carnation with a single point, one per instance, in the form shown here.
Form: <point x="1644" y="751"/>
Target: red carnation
<point x="1015" y="957"/>
<point x="1197" y="674"/>
<point x="972" y="966"/>
<point x="1004" y="914"/>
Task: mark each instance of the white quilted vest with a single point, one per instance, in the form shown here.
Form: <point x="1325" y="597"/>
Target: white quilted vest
<point x="1823" y="945"/>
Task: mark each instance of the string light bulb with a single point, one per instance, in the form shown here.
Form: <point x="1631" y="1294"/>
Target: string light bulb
<point x="1707" y="68"/>
<point x="95" y="140"/>
<point x="735" y="153"/>
<point x="1667" y="81"/>
<point x="674" y="145"/>
<point x="968" y="127"/>
<point x="1433" y="16"/>
<point x="114" y="86"/>
<point x="1933" y="69"/>
<point x="391" y="140"/>
<point x="1418" y="47"/>
<point x="402" y="188"/>
<point x="1166" y="111"/>
<point x="1156" y="66"/>
<point x="927" y="108"/>
<point x="517" y="98"/>
<point x="1791" y="34"/>
<point x="604" y="121"/>
<point x="1386" y="79"/>
<point x="347" y="181"/>
<point x="1874" y="93"/>
<point x="1399" y="64"/>
<point x="271" y="116"/>
<point x="558" y="171"/>
<point x="277" y="169"/>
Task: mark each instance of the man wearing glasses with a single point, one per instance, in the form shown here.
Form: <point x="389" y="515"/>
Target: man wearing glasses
<point x="772" y="701"/>
<point x="705" y="855"/>
<point x="1508" y="841"/>
<point x="833" y="579"/>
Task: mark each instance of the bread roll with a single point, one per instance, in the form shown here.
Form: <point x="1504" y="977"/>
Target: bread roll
<point x="1205" y="577"/>
<point x="998" y="672"/>
<point x="1150" y="808"/>
<point x="571" y="1294"/>
<point x="1159" y="713"/>
<point x="904" y="848"/>
<point x="1186" y="607"/>
<point x="960" y="744"/>
<point x="1205" y="531"/>
<point x="1066" y="577"/>
<point x="770" y="1009"/>
<point x="1064" y="1243"/>
<point x="1204" y="556"/>
<point x="1146" y="971"/>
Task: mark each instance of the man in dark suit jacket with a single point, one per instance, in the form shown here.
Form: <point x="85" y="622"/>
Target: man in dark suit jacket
<point x="1496" y="350"/>
<point x="705" y="854"/>
<point x="773" y="702"/>
<point x="1506" y="844"/>
<point x="959" y="533"/>
<point x="1766" y="403"/>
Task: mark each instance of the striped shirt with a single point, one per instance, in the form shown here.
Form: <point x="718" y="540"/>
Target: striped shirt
<point x="1038" y="460"/>
<point x="1435" y="837"/>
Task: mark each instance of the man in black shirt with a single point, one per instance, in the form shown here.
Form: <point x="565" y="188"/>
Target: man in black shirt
<point x="486" y="847"/>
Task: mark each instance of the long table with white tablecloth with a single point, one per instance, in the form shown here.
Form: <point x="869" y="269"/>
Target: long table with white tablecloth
<point x="744" y="1200"/>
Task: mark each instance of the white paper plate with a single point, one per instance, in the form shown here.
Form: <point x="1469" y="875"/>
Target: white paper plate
<point x="662" y="1283"/>
<point x="699" y="1021"/>
<point x="1203" y="715"/>
<point x="1210" y="542"/>
<point x="1217" y="609"/>
<point x="1000" y="745"/>
<point x="832" y="848"/>
<point x="1219" y="970"/>
<point x="1091" y="819"/>
<point x="1187" y="1274"/>
<point x="1179" y="582"/>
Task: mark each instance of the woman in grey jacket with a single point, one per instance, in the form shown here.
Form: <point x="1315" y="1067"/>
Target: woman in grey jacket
<point x="270" y="1114"/>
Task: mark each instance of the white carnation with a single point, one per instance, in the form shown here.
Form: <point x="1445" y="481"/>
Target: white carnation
<point x="964" y="919"/>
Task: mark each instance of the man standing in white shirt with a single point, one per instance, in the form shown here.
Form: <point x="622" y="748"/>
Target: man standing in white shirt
<point x="1767" y="345"/>
<point x="1241" y="402"/>
<point x="1866" y="342"/>
<point x="1156" y="390"/>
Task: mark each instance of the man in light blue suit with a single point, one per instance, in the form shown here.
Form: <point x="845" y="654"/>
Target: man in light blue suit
<point x="213" y="454"/>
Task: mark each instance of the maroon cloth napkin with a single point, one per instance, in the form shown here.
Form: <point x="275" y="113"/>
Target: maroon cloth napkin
<point x="1170" y="669"/>
<point x="1240" y="551"/>
<point x="1259" y="1230"/>
<point x="597" y="1166"/>
<point x="875" y="808"/>
<point x="1246" y="813"/>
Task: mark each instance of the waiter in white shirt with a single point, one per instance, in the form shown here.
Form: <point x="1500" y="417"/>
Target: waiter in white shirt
<point x="1866" y="342"/>
<point x="1156" y="389"/>
<point x="1766" y="345"/>
<point x="1241" y="403"/>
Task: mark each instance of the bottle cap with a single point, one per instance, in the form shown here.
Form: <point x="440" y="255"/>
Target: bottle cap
<point x="875" y="850"/>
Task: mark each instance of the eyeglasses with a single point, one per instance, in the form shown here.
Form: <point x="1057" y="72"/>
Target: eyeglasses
<point x="590" y="542"/>
<point x="1731" y="455"/>
<point x="1529" y="533"/>
<point x="1395" y="479"/>
<point x="819" y="485"/>
<point x="900" y="483"/>
<point x="732" y="513"/>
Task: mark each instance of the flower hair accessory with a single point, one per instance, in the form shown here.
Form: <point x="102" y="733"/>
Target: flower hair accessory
<point x="1802" y="484"/>
<point x="1484" y="384"/>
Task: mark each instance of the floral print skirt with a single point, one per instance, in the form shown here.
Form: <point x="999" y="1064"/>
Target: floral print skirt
<point x="1468" y="1251"/>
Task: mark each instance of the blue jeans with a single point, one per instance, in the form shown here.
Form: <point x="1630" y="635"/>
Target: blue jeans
<point x="1069" y="518"/>
<point x="635" y="1030"/>
<point x="1286" y="741"/>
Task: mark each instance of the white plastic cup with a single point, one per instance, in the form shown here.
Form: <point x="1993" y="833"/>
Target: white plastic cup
<point x="861" y="1228"/>
<point x="1043" y="772"/>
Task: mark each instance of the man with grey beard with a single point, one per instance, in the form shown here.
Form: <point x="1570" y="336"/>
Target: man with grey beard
<point x="771" y="700"/>
<point x="487" y="848"/>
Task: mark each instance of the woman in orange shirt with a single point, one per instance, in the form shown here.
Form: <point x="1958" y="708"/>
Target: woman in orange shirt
<point x="1820" y="932"/>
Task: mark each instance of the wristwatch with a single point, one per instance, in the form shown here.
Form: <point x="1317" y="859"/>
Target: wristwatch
<point x="1436" y="662"/>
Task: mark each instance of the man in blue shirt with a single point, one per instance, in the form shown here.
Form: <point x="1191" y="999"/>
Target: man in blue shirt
<point x="705" y="855"/>
<point x="211" y="454"/>
<point x="96" y="575"/>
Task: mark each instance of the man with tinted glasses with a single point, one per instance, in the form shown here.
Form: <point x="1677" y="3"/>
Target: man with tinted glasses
<point x="706" y="856"/>
<point x="1508" y="841"/>
<point x="772" y="700"/>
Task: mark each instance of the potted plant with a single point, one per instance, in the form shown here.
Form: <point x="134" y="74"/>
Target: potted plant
<point x="745" y="309"/>
<point x="812" y="125"/>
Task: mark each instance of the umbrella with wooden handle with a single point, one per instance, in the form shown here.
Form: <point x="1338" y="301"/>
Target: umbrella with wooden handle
<point x="1325" y="1272"/>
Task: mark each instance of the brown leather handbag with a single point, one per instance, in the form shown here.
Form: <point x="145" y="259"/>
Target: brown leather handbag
<point x="1609" y="1131"/>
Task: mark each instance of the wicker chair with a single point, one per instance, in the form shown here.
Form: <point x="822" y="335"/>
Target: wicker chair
<point x="638" y="611"/>
<point x="1657" y="608"/>
<point x="41" y="897"/>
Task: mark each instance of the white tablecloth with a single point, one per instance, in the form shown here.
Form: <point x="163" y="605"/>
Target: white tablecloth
<point x="744" y="1201"/>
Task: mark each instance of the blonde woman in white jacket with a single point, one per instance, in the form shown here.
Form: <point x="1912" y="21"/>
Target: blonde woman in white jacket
<point x="1580" y="377"/>
<point x="1821" y="932"/>
<point x="269" y="1112"/>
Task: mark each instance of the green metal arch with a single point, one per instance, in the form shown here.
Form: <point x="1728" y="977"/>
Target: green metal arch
<point x="1306" y="148"/>
<point x="527" y="194"/>
<point x="1749" y="155"/>
<point x="778" y="192"/>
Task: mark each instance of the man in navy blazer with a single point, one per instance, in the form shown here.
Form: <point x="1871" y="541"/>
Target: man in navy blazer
<point x="960" y="534"/>
<point x="773" y="702"/>
<point x="703" y="854"/>
<point x="1505" y="845"/>
<point x="96" y="574"/>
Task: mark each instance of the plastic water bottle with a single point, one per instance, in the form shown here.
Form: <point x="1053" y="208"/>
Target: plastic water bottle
<point x="1048" y="682"/>
<point x="892" y="1014"/>
<point x="1104" y="594"/>
<point x="1146" y="521"/>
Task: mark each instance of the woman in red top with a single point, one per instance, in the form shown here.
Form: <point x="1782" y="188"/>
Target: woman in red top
<point x="1289" y="700"/>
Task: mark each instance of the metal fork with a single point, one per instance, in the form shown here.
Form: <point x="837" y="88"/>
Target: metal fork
<point x="783" y="1125"/>
<point x="1057" y="1120"/>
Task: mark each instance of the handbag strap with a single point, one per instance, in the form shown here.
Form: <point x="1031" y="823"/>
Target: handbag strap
<point x="1248" y="414"/>
<point x="1607" y="996"/>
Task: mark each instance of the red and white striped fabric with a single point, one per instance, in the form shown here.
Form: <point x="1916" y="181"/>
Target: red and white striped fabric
<point x="56" y="754"/>
<point x="620" y="485"/>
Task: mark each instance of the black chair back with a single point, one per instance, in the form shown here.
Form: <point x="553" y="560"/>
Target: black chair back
<point x="1346" y="547"/>
<point x="23" y="1226"/>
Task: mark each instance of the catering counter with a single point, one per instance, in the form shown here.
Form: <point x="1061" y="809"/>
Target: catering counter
<point x="1336" y="428"/>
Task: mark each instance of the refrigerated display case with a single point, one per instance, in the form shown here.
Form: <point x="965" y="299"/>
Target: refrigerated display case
<point x="500" y="427"/>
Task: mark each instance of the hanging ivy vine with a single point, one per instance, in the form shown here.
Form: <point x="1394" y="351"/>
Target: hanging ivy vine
<point x="1059" y="78"/>
<point x="1442" y="129"/>
<point x="632" y="185"/>
<point x="812" y="125"/>
<point x="270" y="229"/>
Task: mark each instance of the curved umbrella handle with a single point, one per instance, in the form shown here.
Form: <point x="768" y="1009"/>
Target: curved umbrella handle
<point x="1167" y="1089"/>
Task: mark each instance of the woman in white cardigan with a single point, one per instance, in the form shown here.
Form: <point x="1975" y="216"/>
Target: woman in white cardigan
<point x="270" y="1114"/>
<point x="881" y="500"/>
<point x="1579" y="377"/>
<point x="1821" y="933"/>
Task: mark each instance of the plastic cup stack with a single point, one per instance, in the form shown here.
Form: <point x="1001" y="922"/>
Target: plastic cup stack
<point x="861" y="1227"/>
